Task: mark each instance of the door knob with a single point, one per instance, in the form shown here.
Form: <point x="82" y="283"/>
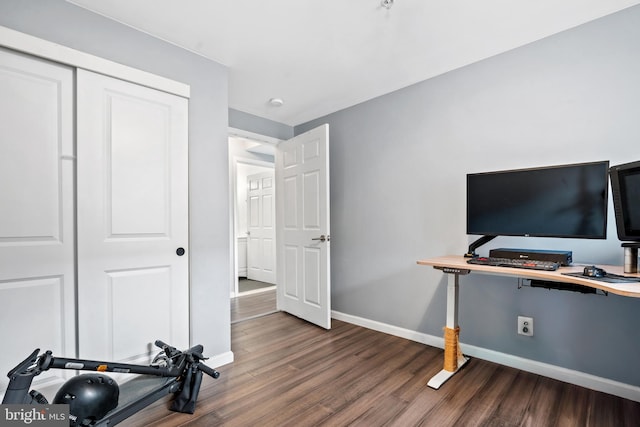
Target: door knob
<point x="180" y="251"/>
<point x="322" y="238"/>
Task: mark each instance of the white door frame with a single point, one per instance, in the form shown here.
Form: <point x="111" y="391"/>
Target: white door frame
<point x="233" y="199"/>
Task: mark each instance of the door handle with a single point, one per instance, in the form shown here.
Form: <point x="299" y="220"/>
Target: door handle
<point x="180" y="251"/>
<point x="322" y="238"/>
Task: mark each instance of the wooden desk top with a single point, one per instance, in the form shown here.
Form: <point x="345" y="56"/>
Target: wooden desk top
<point x="631" y="289"/>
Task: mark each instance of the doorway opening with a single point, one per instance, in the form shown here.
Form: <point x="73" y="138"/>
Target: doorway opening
<point x="303" y="229"/>
<point x="252" y="201"/>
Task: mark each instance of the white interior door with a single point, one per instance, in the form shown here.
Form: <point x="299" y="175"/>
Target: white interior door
<point x="133" y="287"/>
<point x="37" y="277"/>
<point x="302" y="200"/>
<point x="261" y="227"/>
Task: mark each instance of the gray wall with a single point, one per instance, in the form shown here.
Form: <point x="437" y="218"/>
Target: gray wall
<point x="68" y="25"/>
<point x="259" y="125"/>
<point x="398" y="167"/>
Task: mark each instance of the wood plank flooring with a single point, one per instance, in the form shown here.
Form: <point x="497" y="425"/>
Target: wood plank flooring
<point x="290" y="373"/>
<point x="247" y="285"/>
<point x="252" y="306"/>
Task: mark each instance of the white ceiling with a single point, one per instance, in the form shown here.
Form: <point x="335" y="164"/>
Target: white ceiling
<point x="323" y="56"/>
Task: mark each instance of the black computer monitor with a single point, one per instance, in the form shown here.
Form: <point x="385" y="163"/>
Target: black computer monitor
<point x="557" y="201"/>
<point x="625" y="188"/>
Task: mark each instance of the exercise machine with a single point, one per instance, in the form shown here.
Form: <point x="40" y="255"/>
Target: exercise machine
<point x="96" y="399"/>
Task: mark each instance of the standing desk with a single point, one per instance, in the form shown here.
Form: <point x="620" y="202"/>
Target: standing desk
<point x="455" y="266"/>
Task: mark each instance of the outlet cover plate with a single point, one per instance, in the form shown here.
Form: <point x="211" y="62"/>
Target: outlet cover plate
<point x="525" y="326"/>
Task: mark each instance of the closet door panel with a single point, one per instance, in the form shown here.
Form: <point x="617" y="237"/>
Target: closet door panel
<point x="37" y="275"/>
<point x="133" y="287"/>
<point x="138" y="169"/>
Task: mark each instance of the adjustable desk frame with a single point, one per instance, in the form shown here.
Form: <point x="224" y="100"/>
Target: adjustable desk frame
<point x="456" y="266"/>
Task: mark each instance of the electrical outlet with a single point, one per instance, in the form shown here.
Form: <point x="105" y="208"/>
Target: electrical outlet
<point x="525" y="326"/>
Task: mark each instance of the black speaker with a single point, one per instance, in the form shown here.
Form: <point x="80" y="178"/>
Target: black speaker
<point x="561" y="257"/>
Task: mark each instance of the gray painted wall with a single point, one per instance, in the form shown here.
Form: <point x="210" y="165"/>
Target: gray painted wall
<point x="398" y="167"/>
<point x="66" y="24"/>
<point x="259" y="125"/>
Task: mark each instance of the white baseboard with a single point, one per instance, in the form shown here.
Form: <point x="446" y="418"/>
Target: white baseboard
<point x="257" y="291"/>
<point x="220" y="359"/>
<point x="551" y="371"/>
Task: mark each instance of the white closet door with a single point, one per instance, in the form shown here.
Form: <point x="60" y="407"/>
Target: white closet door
<point x="37" y="300"/>
<point x="133" y="287"/>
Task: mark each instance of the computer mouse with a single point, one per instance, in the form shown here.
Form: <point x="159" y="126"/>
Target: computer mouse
<point x="593" y="271"/>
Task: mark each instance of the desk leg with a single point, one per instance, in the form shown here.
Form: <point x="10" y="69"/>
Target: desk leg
<point x="452" y="323"/>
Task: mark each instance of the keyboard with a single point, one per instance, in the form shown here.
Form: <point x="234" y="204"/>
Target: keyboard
<point x="516" y="263"/>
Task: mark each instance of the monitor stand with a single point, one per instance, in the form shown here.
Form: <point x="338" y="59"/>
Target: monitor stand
<point x="631" y="257"/>
<point x="471" y="253"/>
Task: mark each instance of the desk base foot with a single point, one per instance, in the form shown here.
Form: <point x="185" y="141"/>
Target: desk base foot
<point x="442" y="376"/>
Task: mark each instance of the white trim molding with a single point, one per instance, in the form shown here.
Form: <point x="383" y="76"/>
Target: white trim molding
<point x="220" y="359"/>
<point x="241" y="133"/>
<point x="578" y="378"/>
<point x="45" y="49"/>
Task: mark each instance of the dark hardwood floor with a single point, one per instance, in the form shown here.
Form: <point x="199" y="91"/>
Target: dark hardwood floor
<point x="290" y="373"/>
<point x="252" y="306"/>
